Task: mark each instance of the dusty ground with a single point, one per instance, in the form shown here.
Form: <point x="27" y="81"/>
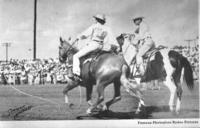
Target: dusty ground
<point x="16" y="106"/>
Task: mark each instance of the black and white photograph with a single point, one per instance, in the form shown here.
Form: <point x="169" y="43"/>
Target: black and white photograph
<point x="99" y="63"/>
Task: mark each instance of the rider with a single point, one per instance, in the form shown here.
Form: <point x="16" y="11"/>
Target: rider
<point x="99" y="35"/>
<point x="143" y="37"/>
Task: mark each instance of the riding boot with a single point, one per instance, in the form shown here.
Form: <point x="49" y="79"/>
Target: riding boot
<point x="142" y="73"/>
<point x="74" y="77"/>
<point x="70" y="74"/>
<point x="76" y="65"/>
<point x="141" y="69"/>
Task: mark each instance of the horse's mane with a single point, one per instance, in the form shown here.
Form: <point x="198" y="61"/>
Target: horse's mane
<point x="120" y="40"/>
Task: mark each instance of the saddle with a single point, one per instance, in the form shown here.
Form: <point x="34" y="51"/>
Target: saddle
<point x="152" y="52"/>
<point x="95" y="54"/>
<point x="150" y="64"/>
<point x="90" y="57"/>
<point x="154" y="68"/>
<point x="87" y="63"/>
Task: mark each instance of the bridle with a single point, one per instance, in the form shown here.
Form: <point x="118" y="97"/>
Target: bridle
<point x="70" y="47"/>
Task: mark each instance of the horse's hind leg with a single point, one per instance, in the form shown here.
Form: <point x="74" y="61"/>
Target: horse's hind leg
<point x="179" y="92"/>
<point x="117" y="96"/>
<point x="100" y="97"/>
<point x="179" y="95"/>
<point x="140" y="104"/>
<point x="172" y="88"/>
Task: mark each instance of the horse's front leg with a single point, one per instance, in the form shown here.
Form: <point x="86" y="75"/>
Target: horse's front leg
<point x="89" y="95"/>
<point x="66" y="90"/>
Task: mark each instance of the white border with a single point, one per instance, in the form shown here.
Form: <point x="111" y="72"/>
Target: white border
<point x="132" y="123"/>
<point x="156" y="123"/>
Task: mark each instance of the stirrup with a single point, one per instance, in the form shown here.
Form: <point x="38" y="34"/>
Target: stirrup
<point x="139" y="72"/>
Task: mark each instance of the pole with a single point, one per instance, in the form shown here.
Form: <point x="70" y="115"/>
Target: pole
<point x="6" y="53"/>
<point x="6" y="45"/>
<point x="34" y="30"/>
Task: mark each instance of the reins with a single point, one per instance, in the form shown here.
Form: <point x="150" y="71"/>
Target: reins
<point x="71" y="47"/>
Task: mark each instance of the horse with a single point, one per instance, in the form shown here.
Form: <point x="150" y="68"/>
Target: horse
<point x="168" y="66"/>
<point x="104" y="69"/>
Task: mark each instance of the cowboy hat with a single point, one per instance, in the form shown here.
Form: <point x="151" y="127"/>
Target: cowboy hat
<point x="100" y="17"/>
<point x="138" y="18"/>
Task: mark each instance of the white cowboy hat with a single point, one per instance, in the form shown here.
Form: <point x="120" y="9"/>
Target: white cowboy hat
<point x="100" y="16"/>
<point x="138" y="18"/>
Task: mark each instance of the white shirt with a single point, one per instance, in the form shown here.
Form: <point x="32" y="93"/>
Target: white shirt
<point x="143" y="29"/>
<point x="98" y="32"/>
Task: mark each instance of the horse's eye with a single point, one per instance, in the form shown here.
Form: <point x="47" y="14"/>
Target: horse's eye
<point x="60" y="47"/>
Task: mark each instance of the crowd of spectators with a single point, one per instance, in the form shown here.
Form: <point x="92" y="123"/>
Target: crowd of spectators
<point x="51" y="71"/>
<point x="30" y="72"/>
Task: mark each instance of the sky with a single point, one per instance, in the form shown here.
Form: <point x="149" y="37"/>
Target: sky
<point x="171" y="22"/>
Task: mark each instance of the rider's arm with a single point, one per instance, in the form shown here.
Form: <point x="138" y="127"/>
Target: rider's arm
<point x="110" y="38"/>
<point x="110" y="41"/>
<point x="85" y="34"/>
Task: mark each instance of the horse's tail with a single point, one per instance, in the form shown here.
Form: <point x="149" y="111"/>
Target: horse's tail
<point x="131" y="88"/>
<point x="188" y="73"/>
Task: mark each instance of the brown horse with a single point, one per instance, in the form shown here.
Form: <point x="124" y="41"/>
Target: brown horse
<point x="104" y="69"/>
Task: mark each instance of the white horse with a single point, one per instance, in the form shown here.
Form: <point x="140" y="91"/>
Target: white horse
<point x="176" y="67"/>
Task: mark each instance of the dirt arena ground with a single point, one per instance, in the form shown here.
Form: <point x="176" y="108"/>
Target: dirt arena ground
<point x="17" y="106"/>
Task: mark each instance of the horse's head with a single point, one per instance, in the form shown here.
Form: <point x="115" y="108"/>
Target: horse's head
<point x="125" y="37"/>
<point x="66" y="50"/>
<point x="120" y="40"/>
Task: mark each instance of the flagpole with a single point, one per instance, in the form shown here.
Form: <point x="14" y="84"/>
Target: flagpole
<point x="34" y="30"/>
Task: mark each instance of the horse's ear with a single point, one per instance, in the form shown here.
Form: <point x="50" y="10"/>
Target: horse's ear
<point x="123" y="34"/>
<point x="61" y="41"/>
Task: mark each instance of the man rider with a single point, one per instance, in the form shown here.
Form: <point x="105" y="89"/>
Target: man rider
<point x="99" y="35"/>
<point x="143" y="37"/>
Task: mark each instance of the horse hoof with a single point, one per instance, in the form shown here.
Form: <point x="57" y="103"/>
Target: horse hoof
<point x="171" y="109"/>
<point x="142" y="103"/>
<point x="100" y="107"/>
<point x="71" y="105"/>
<point x="105" y="108"/>
<point x="177" y="112"/>
<point x="137" y="112"/>
<point x="89" y="111"/>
